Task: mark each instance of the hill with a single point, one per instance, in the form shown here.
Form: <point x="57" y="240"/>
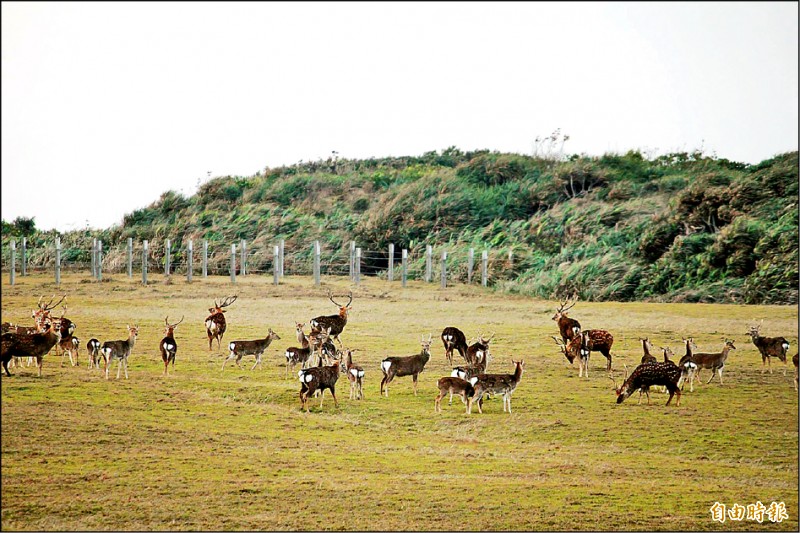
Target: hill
<point x="682" y="227"/>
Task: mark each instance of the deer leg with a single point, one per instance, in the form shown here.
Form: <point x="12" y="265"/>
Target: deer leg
<point x="713" y="372"/>
<point x="258" y="361"/>
<point x="415" y="384"/>
<point x="126" y="368"/>
<point x="5" y="367"/>
<point x="39" y="361"/>
<point x="720" y="375"/>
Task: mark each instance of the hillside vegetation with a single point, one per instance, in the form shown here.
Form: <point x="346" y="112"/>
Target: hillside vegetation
<point x="682" y="227"/>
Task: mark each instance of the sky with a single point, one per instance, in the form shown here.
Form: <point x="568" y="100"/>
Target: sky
<point x="105" y="106"/>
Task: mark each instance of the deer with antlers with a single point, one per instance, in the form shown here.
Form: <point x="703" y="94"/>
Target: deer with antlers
<point x="454" y="339"/>
<point x="576" y="349"/>
<point x="215" y="322"/>
<point x="769" y="347"/>
<point x="568" y="327"/>
<point x="336" y="323"/>
<point x="647" y="375"/>
<point x="411" y="365"/>
<point x="35" y="345"/>
<point x="168" y="347"/>
<point x="42" y="311"/>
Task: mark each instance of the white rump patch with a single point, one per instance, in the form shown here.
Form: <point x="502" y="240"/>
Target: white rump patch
<point x="361" y="373"/>
<point x="232" y="346"/>
<point x="785" y="346"/>
<point x="454" y="373"/>
<point x="169" y="347"/>
<point x="288" y="355"/>
<point x="308" y="377"/>
<point x="448" y="338"/>
<point x="386" y="365"/>
<point x="354" y="372"/>
<point x="473" y="380"/>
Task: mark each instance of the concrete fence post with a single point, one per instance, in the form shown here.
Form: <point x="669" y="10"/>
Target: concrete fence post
<point x="404" y="258"/>
<point x="144" y="263"/>
<point x="390" y="269"/>
<point x="189" y="260"/>
<point x="58" y="260"/>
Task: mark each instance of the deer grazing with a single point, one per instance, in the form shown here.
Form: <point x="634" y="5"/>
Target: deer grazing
<point x="355" y="374"/>
<point x="215" y="322"/>
<point x="168" y="346"/>
<point x="598" y="340"/>
<point x="568" y="327"/>
<point x="35" y="345"/>
<point x="256" y="347"/>
<point x="120" y="351"/>
<point x="478" y="350"/>
<point x="715" y="361"/>
<point x="336" y="323"/>
<point x="577" y="348"/>
<point x="410" y="365"/>
<point x="298" y="355"/>
<point x="645" y="376"/>
<point x="502" y="384"/>
<point x="454" y="339"/>
<point x="769" y="347"/>
<point x="318" y="378"/>
<point x="454" y="385"/>
<point x="93" y="348"/>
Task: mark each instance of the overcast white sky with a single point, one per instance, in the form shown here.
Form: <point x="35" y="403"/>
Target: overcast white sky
<point x="106" y="106"/>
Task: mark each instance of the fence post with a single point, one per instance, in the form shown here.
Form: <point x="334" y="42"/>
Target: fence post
<point x="99" y="260"/>
<point x="352" y="260"/>
<point x="390" y="270"/>
<point x="205" y="258"/>
<point x="130" y="257"/>
<point x="24" y="256"/>
<point x="94" y="258"/>
<point x="510" y="259"/>
<point x="280" y="253"/>
<point x="276" y="269"/>
<point x="243" y="260"/>
<point x="189" y="258"/>
<point x="470" y="264"/>
<point x="13" y="261"/>
<point x="144" y="263"/>
<point x="316" y="263"/>
<point x="233" y="263"/>
<point x="428" y="263"/>
<point x="167" y="254"/>
<point x="444" y="269"/>
<point x="358" y="266"/>
<point x="58" y="260"/>
<point x="404" y="258"/>
<point x="484" y="267"/>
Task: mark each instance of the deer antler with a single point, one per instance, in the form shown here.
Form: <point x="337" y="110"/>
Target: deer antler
<point x="166" y="322"/>
<point x="613" y="379"/>
<point x="558" y="341"/>
<point x="48" y="306"/>
<point x="228" y="300"/>
<point x="350" y="294"/>
<point x="64" y="312"/>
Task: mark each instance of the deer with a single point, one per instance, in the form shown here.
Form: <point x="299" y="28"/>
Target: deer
<point x="298" y="355"/>
<point x="355" y="374"/>
<point x="168" y="347"/>
<point x="568" y="327"/>
<point x="645" y="376"/>
<point x="93" y="348"/>
<point x="69" y="345"/>
<point x="646" y="347"/>
<point x="598" y="340"/>
<point x="715" y="361"/>
<point x="318" y="378"/>
<point x="215" y="322"/>
<point x="479" y="349"/>
<point x="468" y="371"/>
<point x="322" y="346"/>
<point x="577" y="348"/>
<point x="120" y="350"/>
<point x="454" y="339"/>
<point x="255" y="347"/>
<point x="688" y="367"/>
<point x="503" y="384"/>
<point x="42" y="312"/>
<point x="454" y="385"/>
<point x="336" y="323"/>
<point x="35" y="345"/>
<point x="769" y="347"/>
<point x="410" y="365"/>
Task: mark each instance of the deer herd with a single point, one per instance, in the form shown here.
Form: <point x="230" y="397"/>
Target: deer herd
<point x="321" y="362"/>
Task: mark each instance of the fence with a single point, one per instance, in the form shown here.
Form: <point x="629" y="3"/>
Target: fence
<point x="351" y="260"/>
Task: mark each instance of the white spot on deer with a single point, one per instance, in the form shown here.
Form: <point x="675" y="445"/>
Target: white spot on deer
<point x="288" y="355"/>
<point x="232" y="346"/>
<point x="448" y="338"/>
<point x="454" y="373"/>
<point x="473" y="380"/>
<point x="386" y="365"/>
<point x="354" y="372"/>
<point x="169" y="347"/>
<point x="308" y="377"/>
<point x="361" y="373"/>
<point x="576" y="330"/>
<point x="785" y="346"/>
<point x="479" y="354"/>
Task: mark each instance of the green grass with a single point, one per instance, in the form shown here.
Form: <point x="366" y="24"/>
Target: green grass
<point x="202" y="449"/>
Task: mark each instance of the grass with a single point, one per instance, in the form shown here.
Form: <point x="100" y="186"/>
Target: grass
<point x="202" y="449"/>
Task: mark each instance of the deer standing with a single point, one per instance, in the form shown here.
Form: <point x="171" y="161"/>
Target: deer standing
<point x="645" y="376"/>
<point x="479" y="349"/>
<point x="336" y="323"/>
<point x="769" y="347"/>
<point x="454" y="385"/>
<point x="93" y="348"/>
<point x="120" y="350"/>
<point x="410" y="365"/>
<point x="567" y="327"/>
<point x="318" y="378"/>
<point x="646" y="347"/>
<point x="215" y="322"/>
<point x="597" y="340"/>
<point x="255" y="347"/>
<point x="577" y="348"/>
<point x="355" y="374"/>
<point x="298" y="355"/>
<point x="503" y="384"/>
<point x="35" y="345"/>
<point x="168" y="346"/>
<point x="454" y="339"/>
<point x="715" y="361"/>
<point x="688" y="367"/>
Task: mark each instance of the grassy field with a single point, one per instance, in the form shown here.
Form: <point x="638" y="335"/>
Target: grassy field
<point x="202" y="449"/>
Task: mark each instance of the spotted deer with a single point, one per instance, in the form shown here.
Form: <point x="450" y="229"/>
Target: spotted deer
<point x="502" y="384"/>
<point x="336" y="323"/>
<point x="598" y="340"/>
<point x="120" y="350"/>
<point x="576" y="349"/>
<point x="168" y="347"/>
<point x="93" y="349"/>
<point x="454" y="339"/>
<point x="645" y="376"/>
<point x="769" y="347"/>
<point x="411" y="365"/>
<point x="215" y="322"/>
<point x="255" y="347"/>
<point x="296" y="355"/>
<point x="35" y="345"/>
<point x="568" y="327"/>
<point x="454" y="385"/>
<point x="355" y="375"/>
<point x="318" y="378"/>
